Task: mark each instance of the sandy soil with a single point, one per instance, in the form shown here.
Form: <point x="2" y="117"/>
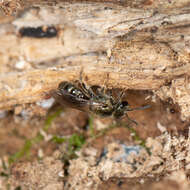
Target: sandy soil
<point x="114" y="160"/>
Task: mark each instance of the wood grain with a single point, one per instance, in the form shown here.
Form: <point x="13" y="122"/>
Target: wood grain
<point x="122" y="45"/>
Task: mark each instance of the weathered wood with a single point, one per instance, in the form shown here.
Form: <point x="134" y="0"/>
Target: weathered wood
<point x="133" y="48"/>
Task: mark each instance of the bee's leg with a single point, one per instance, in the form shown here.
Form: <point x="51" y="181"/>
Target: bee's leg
<point x="131" y="120"/>
<point x="105" y="84"/>
<point x="83" y="89"/>
<point x="86" y="90"/>
<point x="119" y="118"/>
<point x="99" y="92"/>
<point x="119" y="97"/>
<point x="104" y="91"/>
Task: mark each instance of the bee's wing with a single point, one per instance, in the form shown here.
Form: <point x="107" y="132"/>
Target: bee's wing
<point x="69" y="100"/>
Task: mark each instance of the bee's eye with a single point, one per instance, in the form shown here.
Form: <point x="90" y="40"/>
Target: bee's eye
<point x="124" y="103"/>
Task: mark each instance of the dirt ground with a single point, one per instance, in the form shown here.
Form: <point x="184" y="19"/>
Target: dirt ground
<point x="153" y="155"/>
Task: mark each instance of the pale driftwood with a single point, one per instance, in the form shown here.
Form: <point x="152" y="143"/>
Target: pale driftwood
<point x="144" y="49"/>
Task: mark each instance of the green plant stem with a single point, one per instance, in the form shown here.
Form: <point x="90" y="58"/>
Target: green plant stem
<point x="25" y="150"/>
<point x="91" y="127"/>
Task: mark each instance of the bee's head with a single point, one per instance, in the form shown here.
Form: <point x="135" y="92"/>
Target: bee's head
<point x="121" y="109"/>
<point x="124" y="107"/>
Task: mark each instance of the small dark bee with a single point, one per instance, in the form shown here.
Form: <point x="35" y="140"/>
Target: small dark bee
<point x="93" y="99"/>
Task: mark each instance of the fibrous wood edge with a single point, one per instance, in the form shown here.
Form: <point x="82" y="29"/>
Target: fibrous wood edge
<point x="112" y="44"/>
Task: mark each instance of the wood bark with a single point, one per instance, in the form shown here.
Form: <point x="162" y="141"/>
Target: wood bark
<point x="141" y="45"/>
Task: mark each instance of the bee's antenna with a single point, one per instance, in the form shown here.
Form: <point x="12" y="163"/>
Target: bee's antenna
<point x="139" y="108"/>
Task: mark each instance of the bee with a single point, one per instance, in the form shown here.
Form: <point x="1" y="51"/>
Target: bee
<point x="94" y="99"/>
